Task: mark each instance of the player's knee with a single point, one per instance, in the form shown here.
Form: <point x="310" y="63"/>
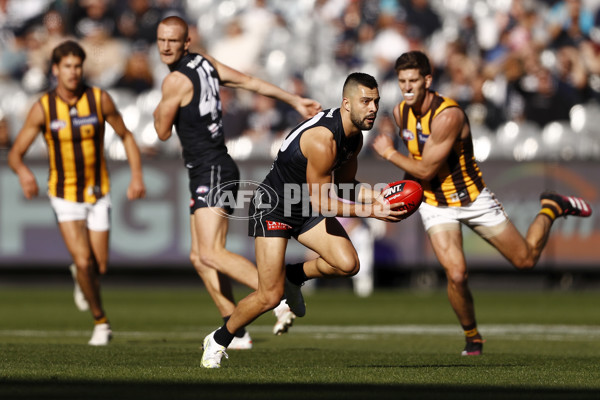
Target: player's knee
<point x="270" y="299"/>
<point x="524" y="263"/>
<point x="457" y="278"/>
<point x="194" y="259"/>
<point x="202" y="259"/>
<point x="349" y="266"/>
<point x="83" y="264"/>
<point x="208" y="258"/>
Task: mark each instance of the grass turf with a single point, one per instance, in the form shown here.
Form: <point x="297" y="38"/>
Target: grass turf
<point x="395" y="344"/>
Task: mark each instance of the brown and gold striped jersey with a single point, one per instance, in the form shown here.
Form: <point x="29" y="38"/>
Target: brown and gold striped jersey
<point x="459" y="180"/>
<point x="75" y="138"/>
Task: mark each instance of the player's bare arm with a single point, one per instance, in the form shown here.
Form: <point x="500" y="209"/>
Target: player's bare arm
<point x="319" y="148"/>
<point x="177" y="91"/>
<point x="32" y="127"/>
<point x="136" y="189"/>
<point x="236" y="79"/>
<point x="445" y="130"/>
<point x="347" y="174"/>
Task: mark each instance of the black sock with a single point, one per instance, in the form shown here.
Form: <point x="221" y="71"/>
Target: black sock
<point x="295" y="273"/>
<point x="223" y="337"/>
<point x="240" y="332"/>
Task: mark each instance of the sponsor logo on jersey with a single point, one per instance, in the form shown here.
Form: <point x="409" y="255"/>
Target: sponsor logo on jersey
<point x="202" y="189"/>
<point x="407" y="135"/>
<point x="57" y="125"/>
<point x="89" y="120"/>
<point x="277" y="226"/>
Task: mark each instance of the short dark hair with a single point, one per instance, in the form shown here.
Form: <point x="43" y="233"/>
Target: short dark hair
<point x="360" y="78"/>
<point x="70" y="47"/>
<point x="414" y="60"/>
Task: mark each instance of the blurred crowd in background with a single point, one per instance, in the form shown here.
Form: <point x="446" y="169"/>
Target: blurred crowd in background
<point x="527" y="72"/>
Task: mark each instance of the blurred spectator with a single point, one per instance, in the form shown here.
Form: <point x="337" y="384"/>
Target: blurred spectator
<point x="138" y="75"/>
<point x="390" y="41"/>
<point x="106" y="57"/>
<point x="571" y="71"/>
<point x="422" y="20"/>
<point x="89" y="16"/>
<point x="235" y="115"/>
<point x="356" y="26"/>
<point x="525" y="27"/>
<point x="460" y="71"/>
<point x="289" y="116"/>
<point x="138" y="22"/>
<point x="16" y="16"/>
<point x="48" y="35"/>
<point x="258" y="20"/>
<point x="570" y="22"/>
<point x="13" y="57"/>
<point x="237" y="48"/>
<point x="265" y="121"/>
<point x="481" y="110"/>
<point x="546" y="98"/>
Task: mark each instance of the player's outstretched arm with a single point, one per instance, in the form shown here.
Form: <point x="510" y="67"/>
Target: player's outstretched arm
<point x="32" y="127"/>
<point x="236" y="79"/>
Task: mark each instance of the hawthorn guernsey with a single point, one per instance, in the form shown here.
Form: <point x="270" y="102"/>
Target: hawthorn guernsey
<point x="408" y="192"/>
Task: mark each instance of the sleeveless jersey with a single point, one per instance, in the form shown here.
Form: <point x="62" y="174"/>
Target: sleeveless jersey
<point x="199" y="124"/>
<point x="75" y="138"/>
<point x="290" y="164"/>
<point x="459" y="180"/>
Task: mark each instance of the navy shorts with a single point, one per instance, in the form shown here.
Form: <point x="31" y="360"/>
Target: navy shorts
<point x="272" y="221"/>
<point x="214" y="185"/>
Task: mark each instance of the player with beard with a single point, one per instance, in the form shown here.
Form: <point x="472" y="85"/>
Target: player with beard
<point x="316" y="154"/>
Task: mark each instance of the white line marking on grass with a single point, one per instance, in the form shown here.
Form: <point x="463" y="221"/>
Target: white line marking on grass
<point x="358" y="332"/>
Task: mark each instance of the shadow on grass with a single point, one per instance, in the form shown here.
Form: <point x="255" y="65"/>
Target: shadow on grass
<point x="63" y="389"/>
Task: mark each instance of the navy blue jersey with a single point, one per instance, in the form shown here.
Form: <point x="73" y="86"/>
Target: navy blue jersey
<point x="199" y="124"/>
<point x="290" y="164"/>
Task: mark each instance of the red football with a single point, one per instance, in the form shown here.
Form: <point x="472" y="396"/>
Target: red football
<point x="407" y="191"/>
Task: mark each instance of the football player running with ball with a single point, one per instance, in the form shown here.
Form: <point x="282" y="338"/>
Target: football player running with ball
<point x="318" y="152"/>
<point x="437" y="134"/>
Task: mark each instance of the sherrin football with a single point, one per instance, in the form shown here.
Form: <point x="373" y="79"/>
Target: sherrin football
<point x="407" y="191"/>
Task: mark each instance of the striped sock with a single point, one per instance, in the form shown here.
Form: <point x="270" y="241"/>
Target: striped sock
<point x="471" y="331"/>
<point x="550" y="211"/>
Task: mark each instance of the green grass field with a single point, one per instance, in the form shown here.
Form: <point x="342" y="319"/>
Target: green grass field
<point x="396" y="344"/>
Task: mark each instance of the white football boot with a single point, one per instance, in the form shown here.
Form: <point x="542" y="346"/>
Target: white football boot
<point x="285" y="318"/>
<point x="101" y="336"/>
<point x="213" y="352"/>
<point x="241" y="343"/>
